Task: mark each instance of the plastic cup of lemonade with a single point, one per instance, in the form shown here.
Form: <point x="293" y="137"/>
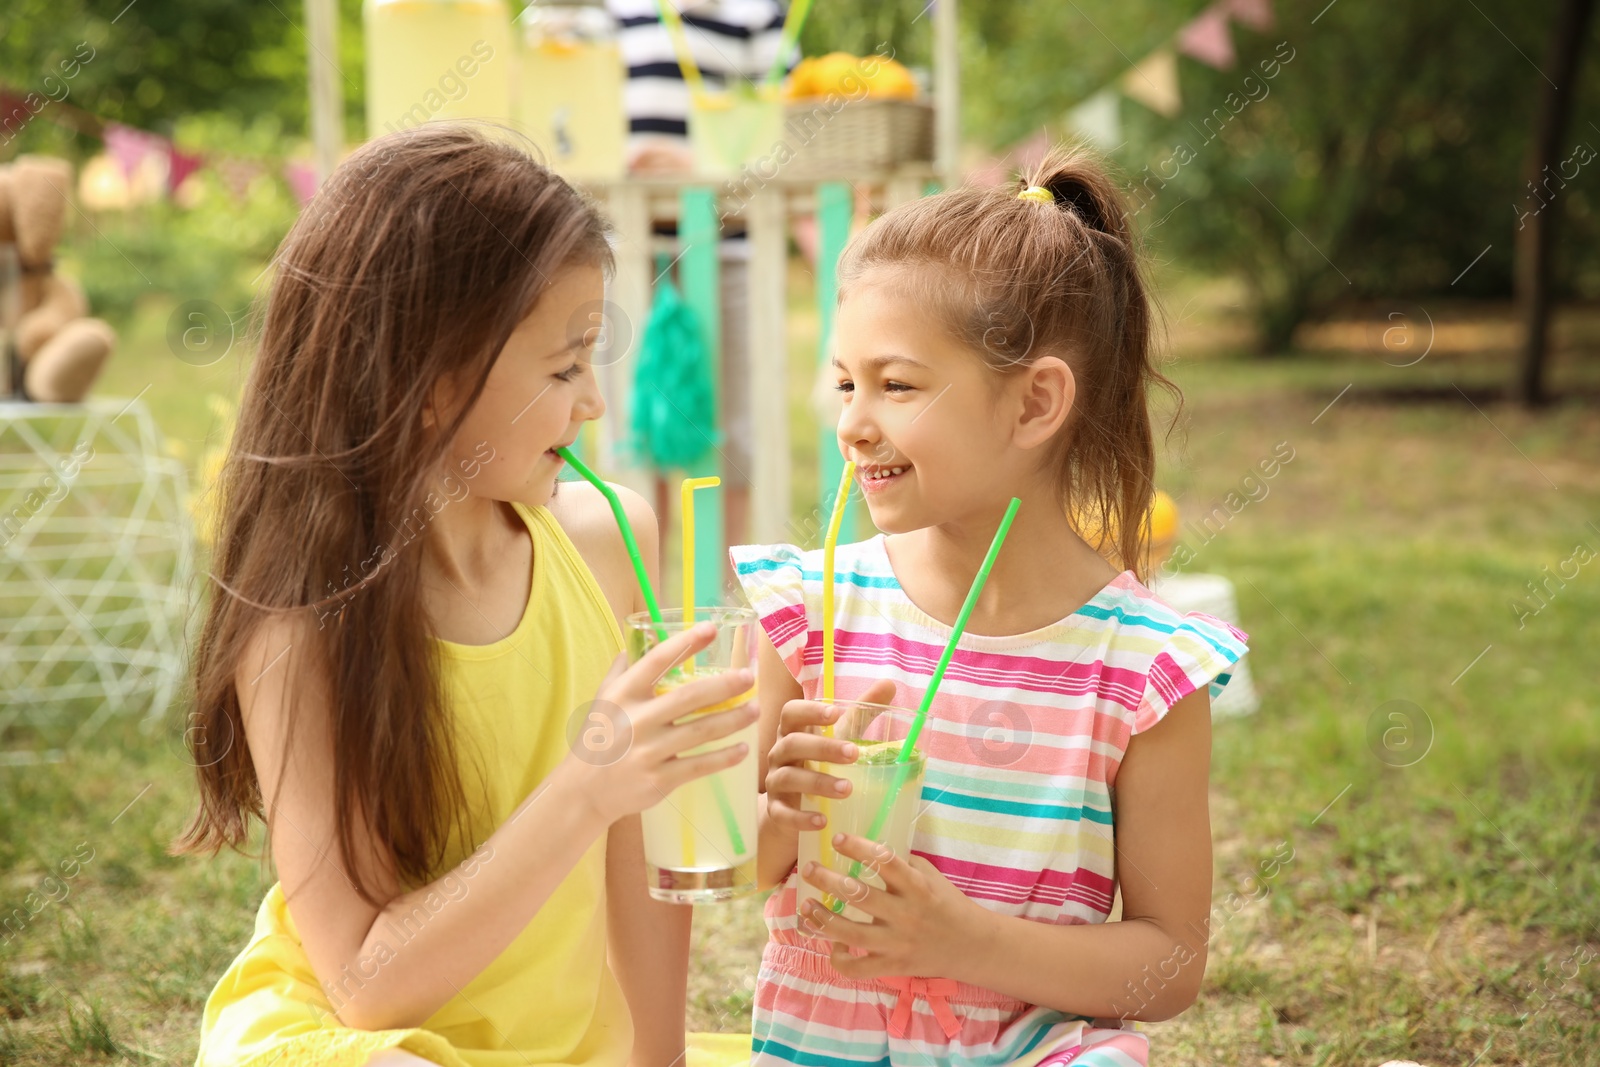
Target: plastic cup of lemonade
<point x="879" y="732"/>
<point x="700" y="839"/>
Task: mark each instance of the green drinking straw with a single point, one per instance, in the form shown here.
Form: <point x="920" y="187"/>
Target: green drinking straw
<point x="730" y="820"/>
<point x="627" y="536"/>
<point x="902" y="762"/>
<point x="791" y="33"/>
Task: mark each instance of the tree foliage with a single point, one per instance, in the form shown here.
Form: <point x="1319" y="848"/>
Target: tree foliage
<point x="1381" y="161"/>
<point x="1377" y="164"/>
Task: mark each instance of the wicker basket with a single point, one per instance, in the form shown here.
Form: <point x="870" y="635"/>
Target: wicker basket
<point x="860" y="135"/>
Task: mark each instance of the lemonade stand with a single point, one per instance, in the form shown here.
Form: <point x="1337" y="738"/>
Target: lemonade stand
<point x="841" y="133"/>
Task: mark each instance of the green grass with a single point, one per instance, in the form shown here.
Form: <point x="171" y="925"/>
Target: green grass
<point x="1428" y="912"/>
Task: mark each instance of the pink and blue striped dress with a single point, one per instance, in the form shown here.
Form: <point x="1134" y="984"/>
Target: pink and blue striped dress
<point x="1023" y="745"/>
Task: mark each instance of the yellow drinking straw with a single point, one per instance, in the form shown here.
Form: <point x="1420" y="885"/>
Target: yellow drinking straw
<point x="830" y="541"/>
<point x="902" y="763"/>
<point x="686" y="502"/>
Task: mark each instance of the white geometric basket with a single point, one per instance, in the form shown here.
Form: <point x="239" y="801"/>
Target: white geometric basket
<point x="96" y="555"/>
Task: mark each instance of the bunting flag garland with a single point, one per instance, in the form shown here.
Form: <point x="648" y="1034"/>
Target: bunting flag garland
<point x="237" y="174"/>
<point x="129" y="146"/>
<point x="1257" y="14"/>
<point x="302" y="179"/>
<point x="137" y="151"/>
<point x="179" y="166"/>
<point x="1153" y="82"/>
<point x="1207" y="38"/>
<point x="1099" y="118"/>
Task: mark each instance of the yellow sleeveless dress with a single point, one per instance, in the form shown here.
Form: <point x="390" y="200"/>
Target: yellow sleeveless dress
<point x="550" y="997"/>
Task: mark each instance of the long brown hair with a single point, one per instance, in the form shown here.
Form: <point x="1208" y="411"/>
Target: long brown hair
<point x="1016" y="279"/>
<point x="416" y="260"/>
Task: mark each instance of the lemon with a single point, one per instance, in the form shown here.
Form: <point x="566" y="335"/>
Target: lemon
<point x="889" y="80"/>
<point x="1162" y="520"/>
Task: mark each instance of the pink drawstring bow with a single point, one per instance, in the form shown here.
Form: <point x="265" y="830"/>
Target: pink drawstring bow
<point x="934" y="991"/>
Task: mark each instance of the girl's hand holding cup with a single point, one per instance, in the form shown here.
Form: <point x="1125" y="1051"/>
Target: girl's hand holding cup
<point x="627" y="744"/>
<point x="800" y="740"/>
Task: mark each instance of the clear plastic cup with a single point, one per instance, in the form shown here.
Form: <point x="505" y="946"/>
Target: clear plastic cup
<point x="879" y="731"/>
<point x="731" y="129"/>
<point x="700" y="840"/>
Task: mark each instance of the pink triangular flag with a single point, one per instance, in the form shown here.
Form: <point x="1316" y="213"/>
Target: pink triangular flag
<point x="129" y="146"/>
<point x="1257" y="14"/>
<point x="1206" y="38"/>
<point x="302" y="179"/>
<point x="179" y="166"/>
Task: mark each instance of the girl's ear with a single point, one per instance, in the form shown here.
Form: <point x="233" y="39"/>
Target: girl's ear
<point x="1048" y="390"/>
<point x="438" y="399"/>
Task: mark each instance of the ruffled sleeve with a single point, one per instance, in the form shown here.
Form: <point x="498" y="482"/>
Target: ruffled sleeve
<point x="771" y="577"/>
<point x="1200" y="651"/>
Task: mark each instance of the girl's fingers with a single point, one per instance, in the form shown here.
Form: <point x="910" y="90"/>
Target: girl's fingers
<point x="789" y="817"/>
<point x="704" y="729"/>
<point x="792" y="779"/>
<point x="797" y="715"/>
<point x="878" y="858"/>
<point x="681" y="769"/>
<point x="833" y="926"/>
<point x="640" y="680"/>
<point x="797" y="748"/>
<point x="852" y="891"/>
<point x="879" y="692"/>
<point x="706" y="692"/>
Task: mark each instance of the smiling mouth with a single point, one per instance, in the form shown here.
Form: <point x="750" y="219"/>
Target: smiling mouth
<point x="875" y="478"/>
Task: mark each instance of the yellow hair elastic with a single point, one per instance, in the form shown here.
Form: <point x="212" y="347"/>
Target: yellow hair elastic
<point x="1037" y="192"/>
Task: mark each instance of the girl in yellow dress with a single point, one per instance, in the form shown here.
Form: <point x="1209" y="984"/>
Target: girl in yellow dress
<point x="409" y="667"/>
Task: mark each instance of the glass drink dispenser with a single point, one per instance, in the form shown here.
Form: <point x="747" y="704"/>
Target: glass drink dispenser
<point x="569" y="88"/>
<point x="437" y="59"/>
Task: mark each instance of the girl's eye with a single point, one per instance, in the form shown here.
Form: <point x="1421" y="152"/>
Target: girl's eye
<point x="850" y="387"/>
<point x="572" y="373"/>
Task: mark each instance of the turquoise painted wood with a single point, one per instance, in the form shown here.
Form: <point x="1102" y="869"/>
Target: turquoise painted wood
<point x="835" y="206"/>
<point x="699" y="233"/>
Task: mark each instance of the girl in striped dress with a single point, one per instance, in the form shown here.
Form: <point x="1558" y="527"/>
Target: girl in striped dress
<point x="993" y="344"/>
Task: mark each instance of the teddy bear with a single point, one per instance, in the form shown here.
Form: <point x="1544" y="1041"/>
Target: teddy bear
<point x="59" y="350"/>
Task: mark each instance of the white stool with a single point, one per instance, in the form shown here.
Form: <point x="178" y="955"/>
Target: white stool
<point x="1213" y="594"/>
<point x="96" y="554"/>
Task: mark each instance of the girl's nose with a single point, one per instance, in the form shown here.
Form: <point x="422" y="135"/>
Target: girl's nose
<point x="858" y="436"/>
<point x="590" y="404"/>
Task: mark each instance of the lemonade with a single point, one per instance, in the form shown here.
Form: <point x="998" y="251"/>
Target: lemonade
<point x="436" y="59"/>
<point x="735" y="128"/>
<point x="871" y="777"/>
<point x="569" y="89"/>
<point x="700" y="841"/>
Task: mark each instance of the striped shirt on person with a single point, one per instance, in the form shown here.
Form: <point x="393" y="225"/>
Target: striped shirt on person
<point x="729" y="40"/>
<point x="1023" y="745"/>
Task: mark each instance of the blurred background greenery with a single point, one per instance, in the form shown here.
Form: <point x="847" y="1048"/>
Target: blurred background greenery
<point x="1392" y="144"/>
<point x="1445" y="911"/>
